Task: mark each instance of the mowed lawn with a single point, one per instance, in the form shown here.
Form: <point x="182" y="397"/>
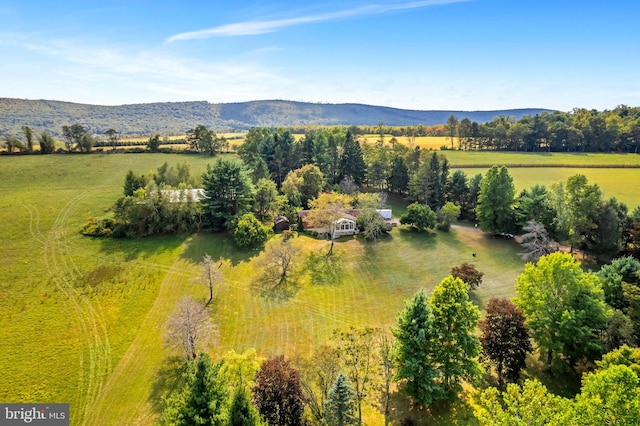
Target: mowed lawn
<point x="81" y="319"/>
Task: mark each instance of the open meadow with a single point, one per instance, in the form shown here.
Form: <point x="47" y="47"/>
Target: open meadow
<point x="81" y="319"/>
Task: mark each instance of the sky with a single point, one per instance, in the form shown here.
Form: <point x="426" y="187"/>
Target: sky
<point x="411" y="54"/>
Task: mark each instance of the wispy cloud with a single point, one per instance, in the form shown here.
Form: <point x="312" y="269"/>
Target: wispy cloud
<point x="267" y="26"/>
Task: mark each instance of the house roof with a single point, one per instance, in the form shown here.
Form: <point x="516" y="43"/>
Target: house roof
<point x="181" y="195"/>
<point x="280" y="219"/>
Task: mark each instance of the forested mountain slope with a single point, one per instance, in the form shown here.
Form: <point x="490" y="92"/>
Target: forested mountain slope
<point x="169" y="118"/>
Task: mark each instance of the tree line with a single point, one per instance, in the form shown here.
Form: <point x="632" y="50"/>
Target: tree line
<point x="580" y="130"/>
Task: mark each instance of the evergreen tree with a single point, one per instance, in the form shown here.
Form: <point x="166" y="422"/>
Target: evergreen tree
<point x="398" y="179"/>
<point x="133" y="183"/>
<point x="204" y="398"/>
<point x="495" y="201"/>
<point x="458" y="191"/>
<point x="341" y="406"/>
<point x="352" y="163"/>
<point x="228" y="193"/>
<point x="417" y="369"/>
<point x="243" y="412"/>
<point x="266" y="200"/>
<point x="333" y="160"/>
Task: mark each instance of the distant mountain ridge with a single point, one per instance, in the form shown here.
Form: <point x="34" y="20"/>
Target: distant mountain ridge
<point x="169" y="118"/>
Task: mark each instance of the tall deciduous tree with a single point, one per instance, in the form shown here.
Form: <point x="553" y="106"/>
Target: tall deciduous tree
<point x="447" y="214"/>
<point x="469" y="275"/>
<point x="564" y="308"/>
<point x="582" y="201"/>
<point x="531" y="404"/>
<point x="204" y="140"/>
<point x="303" y="184"/>
<point x="417" y="368"/>
<point x="228" y="193"/>
<point x="190" y="328"/>
<point x="28" y="135"/>
<point x="211" y="275"/>
<point x="47" y="144"/>
<point x="495" y="201"/>
<point x="113" y="137"/>
<point x="341" y="405"/>
<point x="452" y="127"/>
<point x="278" y="393"/>
<point x="505" y="339"/>
<point x="357" y="351"/>
<point x="608" y="396"/>
<point x="318" y="375"/>
<point x="326" y="210"/>
<point x="77" y="137"/>
<point x="277" y="265"/>
<point x="454" y="321"/>
<point x="386" y="347"/>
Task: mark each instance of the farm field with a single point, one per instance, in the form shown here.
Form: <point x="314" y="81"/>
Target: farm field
<point x="624" y="184"/>
<point x="81" y="319"/>
<point x="424" y="142"/>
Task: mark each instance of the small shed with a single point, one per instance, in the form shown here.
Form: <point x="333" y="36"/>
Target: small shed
<point x="281" y="223"/>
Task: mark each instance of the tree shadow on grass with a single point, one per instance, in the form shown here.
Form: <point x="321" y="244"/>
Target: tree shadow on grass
<point x="403" y="411"/>
<point x="418" y="239"/>
<point x="141" y="248"/>
<point x="275" y="289"/>
<point x="324" y="268"/>
<point x="169" y="378"/>
<point x="219" y="245"/>
<point x="475" y="299"/>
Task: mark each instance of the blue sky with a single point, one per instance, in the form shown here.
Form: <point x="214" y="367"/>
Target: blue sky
<point x="420" y="54"/>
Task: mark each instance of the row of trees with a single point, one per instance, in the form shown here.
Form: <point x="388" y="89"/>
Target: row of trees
<point x="575" y="211"/>
<point x="580" y="130"/>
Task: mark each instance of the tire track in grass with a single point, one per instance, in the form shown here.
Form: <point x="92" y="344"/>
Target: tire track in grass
<point x="34" y="223"/>
<point x="94" y="338"/>
<point x="141" y="360"/>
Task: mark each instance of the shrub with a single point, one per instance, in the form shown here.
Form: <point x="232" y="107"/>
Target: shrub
<point x="249" y="232"/>
<point x="98" y="228"/>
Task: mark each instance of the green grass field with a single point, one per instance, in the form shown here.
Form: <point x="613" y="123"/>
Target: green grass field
<point x="81" y="319"/>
